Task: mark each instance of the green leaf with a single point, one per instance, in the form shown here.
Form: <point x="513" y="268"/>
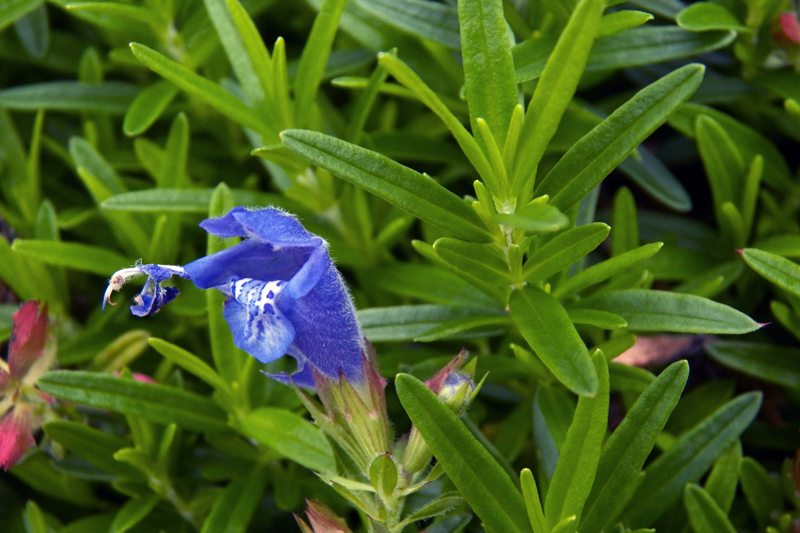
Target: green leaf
<point x="234" y="508"/>
<point x="704" y="514"/>
<point x="290" y="435"/>
<point x="395" y="183"/>
<point x="604" y="270"/>
<point x="440" y="506"/>
<point x="112" y="97"/>
<point x="619" y="21"/>
<point x="649" y="173"/>
<point x="564" y="250"/>
<point x="489" y="79"/>
<point x="779" y="270"/>
<point x="147" y="107"/>
<point x="33" y="31"/>
<point x="536" y="218"/>
<point x="762" y="490"/>
<point x="624" y="223"/>
<point x="210" y="92"/>
<point x="429" y="20"/>
<point x="546" y="326"/>
<point x="689" y="458"/>
<point x="598" y="152"/>
<point x="408" y="322"/>
<point x="629" y="446"/>
<point x="93" y="445"/>
<point x="647" y="310"/>
<point x="403" y="74"/>
<point x="601" y="319"/>
<point x="452" y="327"/>
<point x="554" y="91"/>
<point x="134" y="511"/>
<point x="383" y="475"/>
<point x="187" y="200"/>
<point x="633" y="48"/>
<point x="34" y="519"/>
<point x="705" y="16"/>
<point x="315" y="54"/>
<point x="191" y="363"/>
<point x="485" y="261"/>
<point x="724" y="477"/>
<point x="77" y="256"/>
<point x="484" y="483"/>
<point x="532" y="502"/>
<point x="749" y="142"/>
<point x="158" y="403"/>
<point x="764" y="361"/>
<point x="12" y="10"/>
<point x="577" y="463"/>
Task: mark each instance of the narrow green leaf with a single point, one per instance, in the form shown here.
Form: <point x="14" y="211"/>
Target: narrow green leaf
<point x="689" y="459"/>
<point x="112" y="97"/>
<point x="159" y="403"/>
<point x="403" y="74"/>
<point x="577" y="463"/>
<point x="147" y="107"/>
<point x="210" y="92"/>
<point x="315" y="54"/>
<point x="34" y="519"/>
<point x="619" y="21"/>
<point x="452" y="327"/>
<point x="290" y="435"/>
<point x="409" y="322"/>
<point x="763" y="491"/>
<point x="554" y="91"/>
<point x="429" y="20"/>
<point x="234" y="508"/>
<point x="240" y="60"/>
<point x="536" y="218"/>
<point x="260" y="60"/>
<point x="649" y="173"/>
<point x="546" y="326"/>
<point x="173" y="169"/>
<point x="12" y="10"/>
<point x="749" y="142"/>
<point x="704" y="514"/>
<point x="395" y="183"/>
<point x="440" y="506"/>
<point x="485" y="261"/>
<point x="763" y="361"/>
<point x="624" y="223"/>
<point x="134" y="511"/>
<point x="647" y="310"/>
<point x="74" y="255"/>
<point x="592" y="317"/>
<point x="630" y="444"/>
<point x="489" y="78"/>
<point x="705" y="16"/>
<point x="779" y="270"/>
<point x="532" y="502"/>
<point x="564" y="250"/>
<point x="191" y="363"/>
<point x="598" y="152"/>
<point x="93" y="445"/>
<point x="188" y="200"/>
<point x="724" y="477"/>
<point x="33" y="31"/>
<point x="604" y="270"/>
<point x="484" y="483"/>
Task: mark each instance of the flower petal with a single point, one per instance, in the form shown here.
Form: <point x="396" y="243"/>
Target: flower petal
<point x="309" y="275"/>
<point x="15" y="437"/>
<point x="251" y="259"/>
<point x="327" y="333"/>
<point x="258" y="326"/>
<point x="270" y="225"/>
<point x="28" y="336"/>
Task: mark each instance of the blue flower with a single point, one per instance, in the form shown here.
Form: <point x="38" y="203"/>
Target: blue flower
<point x="153" y="296"/>
<point x="285" y="296"/>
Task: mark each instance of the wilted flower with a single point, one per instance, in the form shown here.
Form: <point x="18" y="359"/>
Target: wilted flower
<point x="19" y="398"/>
<point x="285" y="296"/>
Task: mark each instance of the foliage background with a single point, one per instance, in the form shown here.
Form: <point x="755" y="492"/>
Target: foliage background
<point x="113" y="153"/>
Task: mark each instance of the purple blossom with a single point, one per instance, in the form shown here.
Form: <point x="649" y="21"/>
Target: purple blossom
<point x="285" y="296"/>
